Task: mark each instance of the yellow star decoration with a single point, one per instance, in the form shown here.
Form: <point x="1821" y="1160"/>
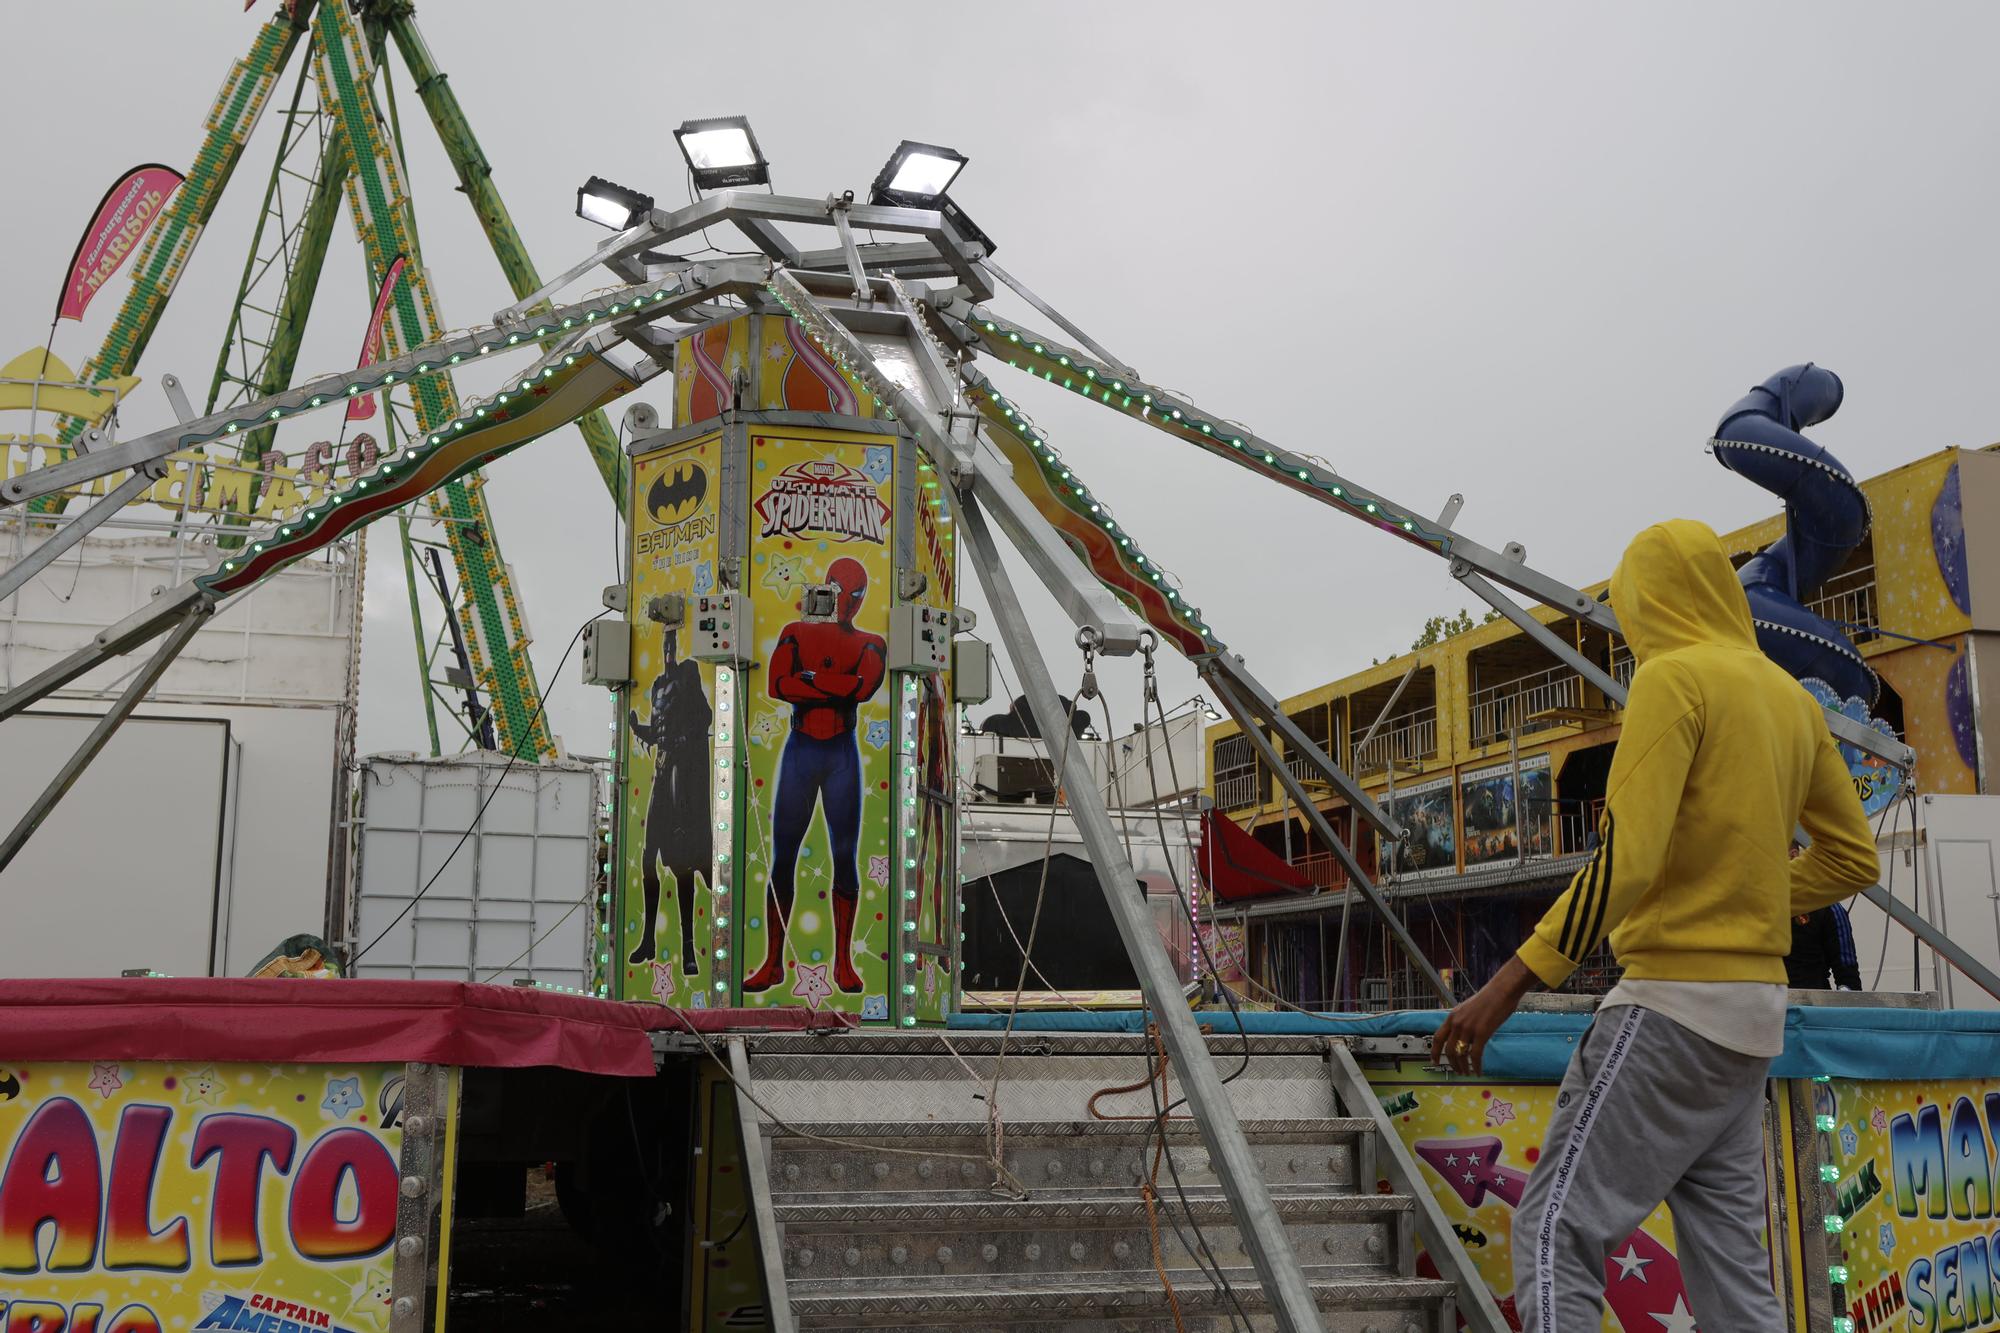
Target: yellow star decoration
<point x="203" y="1085"/>
<point x="369" y="1298"/>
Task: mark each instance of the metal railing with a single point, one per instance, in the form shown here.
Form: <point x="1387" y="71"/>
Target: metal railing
<point x="1623" y="664"/>
<point x="1576" y="827"/>
<point x="1322" y="868"/>
<point x="1849" y="598"/>
<point x="1238" y="787"/>
<point x="1408" y="736"/>
<point x="1511" y="706"/>
<point x="1315" y="726"/>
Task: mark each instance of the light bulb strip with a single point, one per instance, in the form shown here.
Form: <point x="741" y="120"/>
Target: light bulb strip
<point x="1027" y="350"/>
<point x="721" y="869"/>
<point x="430" y="459"/>
<point x="1831" y="1221"/>
<point x="904" y="853"/>
<point x="1117" y="560"/>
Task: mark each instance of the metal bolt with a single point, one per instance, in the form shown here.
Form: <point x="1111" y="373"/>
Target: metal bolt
<point x="899" y="1255"/>
<point x="806" y="1257"/>
<point x="881" y="1170"/>
<point x="416" y="1124"/>
<point x="1055" y="1167"/>
<point x="1121" y="1251"/>
<point x="837" y="1171"/>
<point x="1373" y="1244"/>
<point x="410" y="1246"/>
<point x="1096" y="1166"/>
<point x="965" y="1169"/>
<point x="1032" y="1253"/>
<point x="924" y="1170"/>
<point x="989" y="1252"/>
<point x="944" y="1255"/>
<point x="405" y="1307"/>
<point x="413" y="1187"/>
<point x="791" y="1171"/>
<point x="853" y="1256"/>
<point x="1295" y="1165"/>
<point x="1076" y="1251"/>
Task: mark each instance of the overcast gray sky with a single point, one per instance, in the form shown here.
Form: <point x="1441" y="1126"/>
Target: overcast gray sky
<point x="1527" y="252"/>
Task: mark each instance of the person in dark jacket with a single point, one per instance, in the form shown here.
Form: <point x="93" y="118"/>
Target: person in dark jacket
<point x="1822" y="944"/>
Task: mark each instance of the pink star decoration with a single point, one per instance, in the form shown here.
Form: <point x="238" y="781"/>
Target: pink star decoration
<point x="1499" y="1112"/>
<point x="812" y="985"/>
<point x="105" y="1079"/>
<point x="663" y="983"/>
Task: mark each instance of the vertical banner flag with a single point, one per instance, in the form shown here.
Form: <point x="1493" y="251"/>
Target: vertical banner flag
<point x="123" y="215"/>
<point x="362" y="406"/>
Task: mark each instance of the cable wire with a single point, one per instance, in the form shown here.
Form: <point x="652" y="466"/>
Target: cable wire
<point x="541" y="705"/>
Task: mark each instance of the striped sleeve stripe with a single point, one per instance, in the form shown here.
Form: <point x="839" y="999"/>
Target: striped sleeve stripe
<point x="1590" y="938"/>
<point x="1583" y="896"/>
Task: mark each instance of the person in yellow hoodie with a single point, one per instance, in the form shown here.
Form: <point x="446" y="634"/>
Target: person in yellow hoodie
<point x="1722" y="757"/>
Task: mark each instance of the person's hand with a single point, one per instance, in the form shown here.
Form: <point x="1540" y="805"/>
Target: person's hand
<point x="1460" y="1041"/>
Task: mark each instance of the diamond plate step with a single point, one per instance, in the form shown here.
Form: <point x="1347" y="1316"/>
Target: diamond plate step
<point x="1095" y="1304"/>
<point x="1058" y="1237"/>
<point x="1298" y="1154"/>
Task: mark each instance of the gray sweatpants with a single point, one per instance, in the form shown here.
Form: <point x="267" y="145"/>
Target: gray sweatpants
<point x="1648" y="1112"/>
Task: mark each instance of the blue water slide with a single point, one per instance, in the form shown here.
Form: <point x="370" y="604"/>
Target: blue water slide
<point x="1826" y="516"/>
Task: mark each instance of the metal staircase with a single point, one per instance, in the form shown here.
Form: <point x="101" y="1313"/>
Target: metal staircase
<point x="902" y="1225"/>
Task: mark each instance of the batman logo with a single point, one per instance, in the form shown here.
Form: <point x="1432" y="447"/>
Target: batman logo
<point x="678" y="492"/>
<point x="10" y="1087"/>
<point x="1472" y="1237"/>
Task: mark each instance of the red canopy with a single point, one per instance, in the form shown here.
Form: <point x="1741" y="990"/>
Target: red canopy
<point x="270" y="1020"/>
<point x="1237" y="867"/>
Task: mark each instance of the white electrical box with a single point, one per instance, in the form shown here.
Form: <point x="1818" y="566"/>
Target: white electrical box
<point x="919" y="638"/>
<point x="971" y="671"/>
<point x="607" y="653"/>
<point x="719" y="626"/>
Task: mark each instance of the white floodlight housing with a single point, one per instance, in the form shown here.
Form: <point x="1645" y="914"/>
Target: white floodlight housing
<point x="722" y="152"/>
<point x="916" y="175"/>
<point x="610" y="205"/>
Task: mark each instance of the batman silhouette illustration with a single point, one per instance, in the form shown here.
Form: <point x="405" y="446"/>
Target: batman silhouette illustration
<point x="678" y="833"/>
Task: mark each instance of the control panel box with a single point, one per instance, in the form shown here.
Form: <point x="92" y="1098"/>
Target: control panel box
<point x="607" y="653"/>
<point x="971" y="671"/>
<point x="719" y="629"/>
<point x="919" y="638"/>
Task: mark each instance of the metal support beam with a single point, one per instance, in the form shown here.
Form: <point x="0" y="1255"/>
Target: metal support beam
<point x="1260" y="703"/>
<point x="1916" y="923"/>
<point x="76" y="529"/>
<point x="101" y="734"/>
<point x="149" y="622"/>
<point x="862" y="295"/>
<point x="1021" y="290"/>
<point x="1316" y="817"/>
<point x="1536" y="630"/>
<point x="1263" y="1231"/>
<point x="1358" y="1098"/>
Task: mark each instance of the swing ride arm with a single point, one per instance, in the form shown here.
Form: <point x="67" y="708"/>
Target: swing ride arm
<point x="1040" y="356"/>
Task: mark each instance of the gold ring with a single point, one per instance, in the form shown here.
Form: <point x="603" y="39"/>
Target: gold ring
<point x="1460" y="1046"/>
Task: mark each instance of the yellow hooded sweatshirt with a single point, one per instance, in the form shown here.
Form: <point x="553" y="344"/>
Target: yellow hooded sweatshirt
<point x="1722" y="756"/>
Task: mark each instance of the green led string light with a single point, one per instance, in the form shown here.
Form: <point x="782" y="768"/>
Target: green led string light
<point x="1024" y="350"/>
<point x="1837" y="1273"/>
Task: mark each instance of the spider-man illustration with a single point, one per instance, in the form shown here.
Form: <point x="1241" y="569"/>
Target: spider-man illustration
<point x="825" y="669"/>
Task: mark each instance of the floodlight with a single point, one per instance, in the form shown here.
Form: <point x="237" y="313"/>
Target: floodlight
<point x="609" y="205"/>
<point x="916" y="174"/>
<point x="721" y="152"/>
<point x="1208" y="711"/>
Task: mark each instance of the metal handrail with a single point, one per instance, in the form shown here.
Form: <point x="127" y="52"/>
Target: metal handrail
<point x="1511" y="705"/>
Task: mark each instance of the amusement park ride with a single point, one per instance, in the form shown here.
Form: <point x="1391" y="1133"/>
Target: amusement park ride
<point x="794" y="532"/>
